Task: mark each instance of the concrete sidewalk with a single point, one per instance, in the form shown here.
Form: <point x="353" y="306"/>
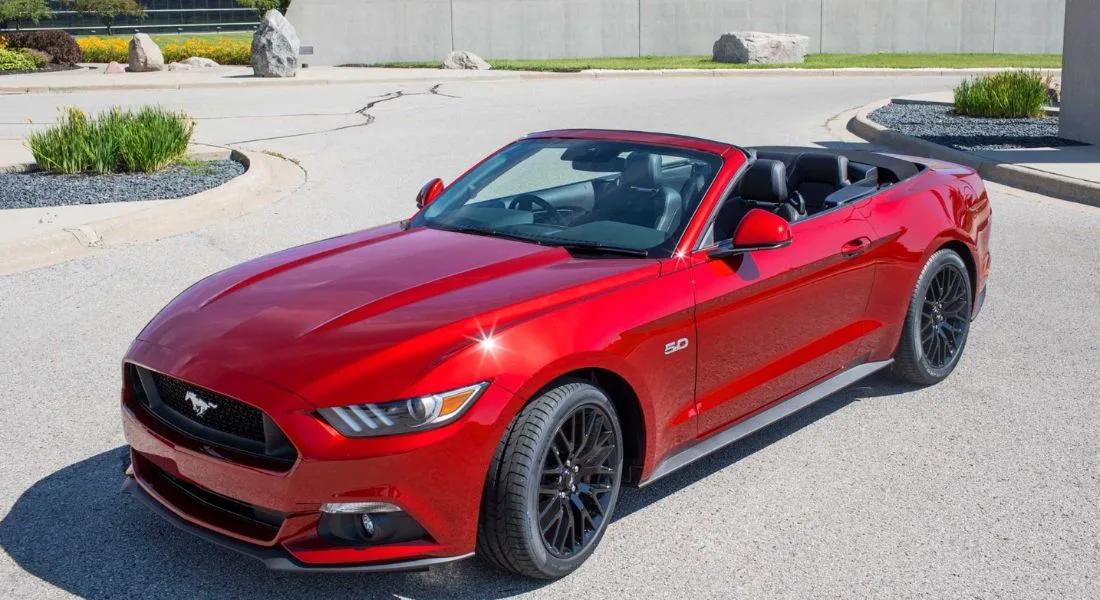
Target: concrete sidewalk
<point x="92" y="78"/>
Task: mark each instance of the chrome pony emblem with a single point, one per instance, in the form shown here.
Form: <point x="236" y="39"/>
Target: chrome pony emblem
<point x="199" y="405"/>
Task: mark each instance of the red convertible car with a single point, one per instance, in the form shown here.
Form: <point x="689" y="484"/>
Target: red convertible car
<point x="581" y="311"/>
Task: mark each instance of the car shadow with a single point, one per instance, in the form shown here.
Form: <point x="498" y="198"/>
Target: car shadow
<point x="875" y="386"/>
<point x="77" y="531"/>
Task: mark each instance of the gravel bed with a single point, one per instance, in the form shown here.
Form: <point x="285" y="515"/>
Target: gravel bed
<point x="939" y="124"/>
<point x="38" y="189"/>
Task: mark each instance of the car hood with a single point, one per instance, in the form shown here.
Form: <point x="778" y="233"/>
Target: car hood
<point x="372" y="310"/>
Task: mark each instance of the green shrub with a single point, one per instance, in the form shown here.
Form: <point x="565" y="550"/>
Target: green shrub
<point x="1006" y="95"/>
<point x="40" y="59"/>
<point x="142" y="141"/>
<point x="13" y="60"/>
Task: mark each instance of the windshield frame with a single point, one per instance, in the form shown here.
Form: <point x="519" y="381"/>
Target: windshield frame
<point x="482" y="175"/>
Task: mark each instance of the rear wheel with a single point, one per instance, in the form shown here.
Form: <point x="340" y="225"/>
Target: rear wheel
<point x="938" y="321"/>
<point x="553" y="483"/>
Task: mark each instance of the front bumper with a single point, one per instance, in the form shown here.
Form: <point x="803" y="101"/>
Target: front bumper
<point x="276" y="559"/>
<point x="436" y="477"/>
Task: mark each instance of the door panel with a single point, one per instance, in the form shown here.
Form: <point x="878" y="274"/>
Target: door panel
<point x="774" y="321"/>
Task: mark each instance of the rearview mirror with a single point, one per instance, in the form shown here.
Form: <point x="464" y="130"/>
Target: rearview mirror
<point x="759" y="230"/>
<point x="429" y="192"/>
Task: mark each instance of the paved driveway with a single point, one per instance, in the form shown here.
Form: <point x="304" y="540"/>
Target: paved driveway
<point x="985" y="486"/>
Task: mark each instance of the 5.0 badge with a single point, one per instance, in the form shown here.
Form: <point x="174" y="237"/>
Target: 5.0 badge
<point x="678" y="345"/>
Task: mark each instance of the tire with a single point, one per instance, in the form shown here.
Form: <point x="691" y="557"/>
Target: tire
<point x="530" y="471"/>
<point x="937" y="324"/>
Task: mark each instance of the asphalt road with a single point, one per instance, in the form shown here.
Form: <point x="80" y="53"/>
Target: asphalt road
<point x="985" y="486"/>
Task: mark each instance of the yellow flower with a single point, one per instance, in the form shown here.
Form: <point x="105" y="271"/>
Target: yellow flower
<point x="221" y="50"/>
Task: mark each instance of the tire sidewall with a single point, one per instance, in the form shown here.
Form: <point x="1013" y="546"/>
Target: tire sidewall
<point x="941" y="260"/>
<point x="553" y="566"/>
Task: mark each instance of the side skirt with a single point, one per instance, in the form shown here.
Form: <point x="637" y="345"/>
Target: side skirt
<point x="764" y="418"/>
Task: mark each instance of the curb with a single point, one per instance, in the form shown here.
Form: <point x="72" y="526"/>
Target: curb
<point x="500" y="76"/>
<point x="1026" y="178"/>
<point x="267" y="179"/>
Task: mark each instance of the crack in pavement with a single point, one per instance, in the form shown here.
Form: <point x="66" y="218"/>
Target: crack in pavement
<point x="367" y="117"/>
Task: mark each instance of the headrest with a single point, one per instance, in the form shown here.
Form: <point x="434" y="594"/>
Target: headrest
<point x="858" y="172"/>
<point x="831" y="169"/>
<point x="642" y="170"/>
<point x="765" y="181"/>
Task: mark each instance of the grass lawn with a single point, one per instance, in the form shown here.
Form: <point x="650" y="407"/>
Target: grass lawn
<point x="172" y="38"/>
<point x="813" y="61"/>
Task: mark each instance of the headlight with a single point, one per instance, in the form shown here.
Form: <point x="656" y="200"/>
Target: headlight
<point x="402" y="416"/>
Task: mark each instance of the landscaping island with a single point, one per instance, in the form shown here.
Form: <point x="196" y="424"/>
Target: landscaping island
<point x="940" y="124"/>
<point x="119" y="155"/>
<point x="994" y="112"/>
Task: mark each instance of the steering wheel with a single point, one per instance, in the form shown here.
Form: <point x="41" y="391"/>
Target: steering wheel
<point x="528" y="202"/>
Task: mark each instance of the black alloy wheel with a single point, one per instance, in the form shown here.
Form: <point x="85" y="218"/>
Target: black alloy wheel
<point x="578" y="476"/>
<point x="944" y="317"/>
<point x="938" y="322"/>
<point x="553" y="483"/>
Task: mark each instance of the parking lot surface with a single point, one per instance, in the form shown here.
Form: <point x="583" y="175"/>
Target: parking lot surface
<point x="986" y="486"/>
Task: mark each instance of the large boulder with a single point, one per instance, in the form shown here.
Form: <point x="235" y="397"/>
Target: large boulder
<point x="275" y="47"/>
<point x="461" y="59"/>
<point x="758" y="48"/>
<point x="145" y="54"/>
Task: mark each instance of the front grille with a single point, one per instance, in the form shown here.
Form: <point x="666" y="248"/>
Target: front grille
<point x="224" y="413"/>
<point x="204" y="420"/>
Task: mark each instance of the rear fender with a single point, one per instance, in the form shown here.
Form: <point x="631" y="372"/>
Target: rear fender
<point x="946" y="204"/>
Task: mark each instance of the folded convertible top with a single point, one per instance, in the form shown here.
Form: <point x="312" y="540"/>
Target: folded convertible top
<point x="902" y="169"/>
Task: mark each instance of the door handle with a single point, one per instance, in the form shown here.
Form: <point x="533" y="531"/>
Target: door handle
<point x="855" y="247"/>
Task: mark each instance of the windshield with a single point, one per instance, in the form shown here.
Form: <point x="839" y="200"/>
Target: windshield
<point x="586" y="195"/>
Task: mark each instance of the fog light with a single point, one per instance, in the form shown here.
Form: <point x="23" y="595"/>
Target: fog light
<point x="346" y="508"/>
<point x="362" y="524"/>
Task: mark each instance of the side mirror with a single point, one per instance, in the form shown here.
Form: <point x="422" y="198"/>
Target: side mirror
<point x="429" y="192"/>
<point x="759" y="230"/>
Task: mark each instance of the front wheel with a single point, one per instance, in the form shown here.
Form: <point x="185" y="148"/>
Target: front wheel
<point x="553" y="483"/>
<point x="938" y="321"/>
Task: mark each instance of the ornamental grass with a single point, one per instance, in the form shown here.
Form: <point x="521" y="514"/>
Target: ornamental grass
<point x="138" y="141"/>
<point x="1006" y="95"/>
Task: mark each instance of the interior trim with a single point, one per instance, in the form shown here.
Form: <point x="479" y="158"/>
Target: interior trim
<point x="764" y="418"/>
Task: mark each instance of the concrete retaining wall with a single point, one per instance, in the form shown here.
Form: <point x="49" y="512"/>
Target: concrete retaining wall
<point x="371" y="31"/>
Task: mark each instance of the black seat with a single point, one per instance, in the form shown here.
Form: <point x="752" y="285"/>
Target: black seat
<point x="691" y="193"/>
<point x="815" y="176"/>
<point x="640" y="199"/>
<point x="764" y="186"/>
